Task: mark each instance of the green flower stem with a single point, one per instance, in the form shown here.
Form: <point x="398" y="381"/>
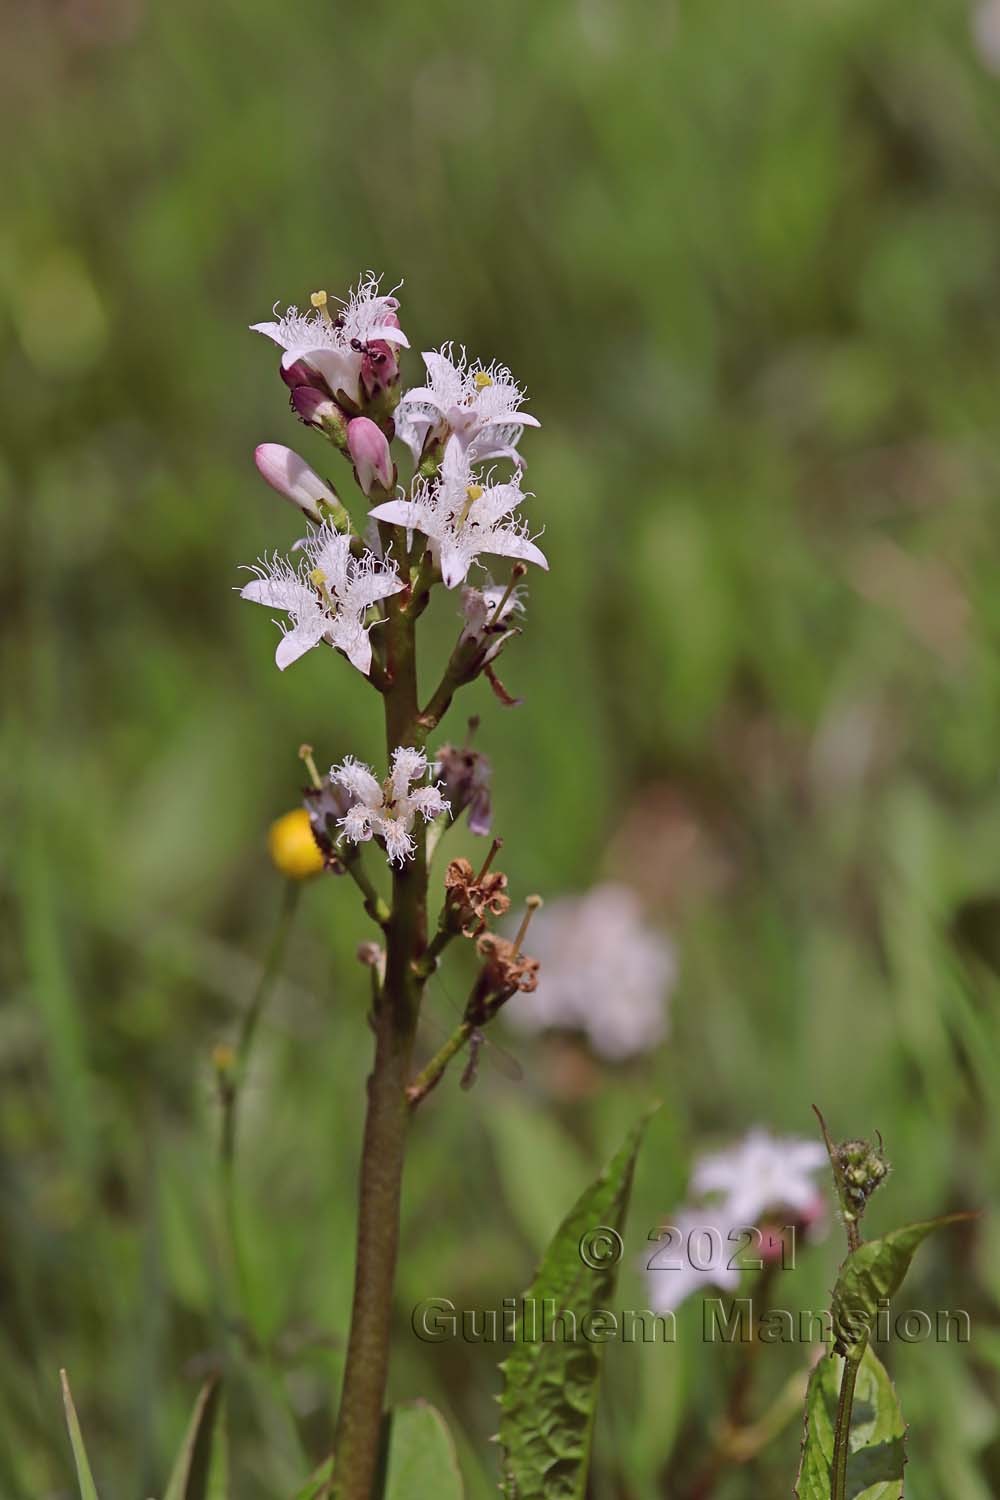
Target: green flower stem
<point x="430" y="1076"/>
<point x="374" y="905"/>
<point x="842" y="1431"/>
<point x="356" y="1446"/>
<point x="458" y="671"/>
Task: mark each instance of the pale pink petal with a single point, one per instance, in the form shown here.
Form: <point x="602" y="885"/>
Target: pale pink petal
<point x="297" y="642"/>
<point x="399" y="513"/>
<point x="509" y="544"/>
<point x="279" y="593"/>
<point x="455" y="563"/>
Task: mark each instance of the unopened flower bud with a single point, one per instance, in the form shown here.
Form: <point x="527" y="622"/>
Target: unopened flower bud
<point x="862" y="1168"/>
<point x="292" y="477"/>
<point x="316" y="409"/>
<point x="292" y="847"/>
<point x="369" y="450"/>
<point x="371" y="955"/>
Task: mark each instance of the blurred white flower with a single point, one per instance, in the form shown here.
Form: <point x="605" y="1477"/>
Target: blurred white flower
<point x="762" y="1172"/>
<point x="603" y="972"/>
<point x="476" y="404"/>
<point x="388" y="810"/>
<point x="326" y="596"/>
<point x="463" y="518"/>
<point x="760" y="1176"/>
<point x="695" y="1256"/>
<point x="333" y="345"/>
<point x="985" y="26"/>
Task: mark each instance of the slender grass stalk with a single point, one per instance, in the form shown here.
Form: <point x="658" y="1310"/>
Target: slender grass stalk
<point x="235" y="1075"/>
<point x="231" y="1076"/>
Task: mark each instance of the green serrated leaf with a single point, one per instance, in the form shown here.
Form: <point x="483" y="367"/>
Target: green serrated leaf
<point x="873" y="1273"/>
<point x="877" y="1457"/>
<point x="316" y="1487"/>
<point x="199" y="1471"/>
<point x="422" y="1464"/>
<point x="550" y="1383"/>
<point x="88" y="1489"/>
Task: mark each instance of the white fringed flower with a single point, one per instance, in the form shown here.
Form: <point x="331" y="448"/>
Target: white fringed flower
<point x="326" y="596"/>
<point x="762" y="1172"/>
<point x="604" y="972"/>
<point x="334" y="345"/>
<point x="463" y="518"/>
<point x="388" y="810"/>
<point x="477" y="404"/>
<point x="759" y="1178"/>
<point x="694" y="1257"/>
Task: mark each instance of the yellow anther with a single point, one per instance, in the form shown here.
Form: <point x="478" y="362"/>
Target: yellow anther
<point x="317" y="578"/>
<point x="472" y="494"/>
<point x="481" y="380"/>
<point x="319" y="301"/>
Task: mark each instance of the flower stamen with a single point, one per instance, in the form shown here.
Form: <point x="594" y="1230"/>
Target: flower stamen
<point x="473" y="492"/>
<point x="306" y="756"/>
<point x="319" y="300"/>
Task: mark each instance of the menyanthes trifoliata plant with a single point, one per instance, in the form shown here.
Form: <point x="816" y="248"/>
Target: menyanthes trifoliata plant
<point x="426" y="489"/>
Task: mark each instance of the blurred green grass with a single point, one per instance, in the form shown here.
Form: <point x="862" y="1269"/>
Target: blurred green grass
<point x="746" y="262"/>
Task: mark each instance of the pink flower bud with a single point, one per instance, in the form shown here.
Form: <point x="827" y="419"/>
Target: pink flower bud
<point x="370" y="455"/>
<point x="379" y="366"/>
<point x="297" y="372"/>
<point x="316" y="409"/>
<point x="292" y="477"/>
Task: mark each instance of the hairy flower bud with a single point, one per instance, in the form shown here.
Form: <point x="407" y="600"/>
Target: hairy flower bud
<point x="292" y="477"/>
<point x="316" y="409"/>
<point x="369" y="450"/>
<point x="292" y="847"/>
<point x="861" y="1167"/>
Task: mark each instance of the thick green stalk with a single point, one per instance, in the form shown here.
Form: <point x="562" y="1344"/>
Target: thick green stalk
<point x="356" y="1448"/>
<point x="429" y="1077"/>
<point x="842" y="1431"/>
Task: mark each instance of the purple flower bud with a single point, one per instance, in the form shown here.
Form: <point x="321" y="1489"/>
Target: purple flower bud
<point x="316" y="409"/>
<point x="292" y="477"/>
<point x="299" y="372"/>
<point x="369" y="450"/>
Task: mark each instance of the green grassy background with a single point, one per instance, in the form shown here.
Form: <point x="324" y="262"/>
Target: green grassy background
<point x="746" y="260"/>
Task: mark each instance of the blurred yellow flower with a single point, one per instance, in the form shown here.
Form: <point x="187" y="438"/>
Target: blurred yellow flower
<point x="292" y="847"/>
